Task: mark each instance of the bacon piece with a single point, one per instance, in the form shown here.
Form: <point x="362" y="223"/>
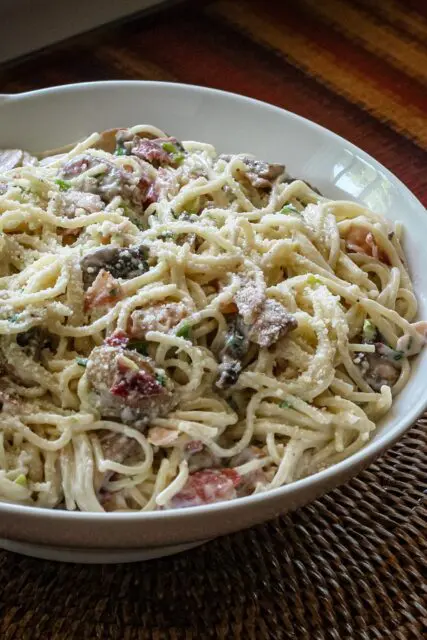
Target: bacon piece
<point x="156" y="151"/>
<point x="161" y="437"/>
<point x="73" y="200"/>
<point x="105" y="290"/>
<point x="206" y="487"/>
<point x="111" y="182"/>
<point x="76" y="166"/>
<point x="360" y="240"/>
<point x="160" y="317"/>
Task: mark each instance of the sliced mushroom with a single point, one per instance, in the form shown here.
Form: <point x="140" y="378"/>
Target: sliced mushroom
<point x="272" y="323"/>
<point x="35" y="340"/>
<point x="260" y="174"/>
<point x="107" y="140"/>
<point x="12" y="158"/>
<point x="120" y="262"/>
<point x="235" y="349"/>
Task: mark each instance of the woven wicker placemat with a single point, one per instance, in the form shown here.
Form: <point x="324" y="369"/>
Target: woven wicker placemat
<point x="352" y="565"/>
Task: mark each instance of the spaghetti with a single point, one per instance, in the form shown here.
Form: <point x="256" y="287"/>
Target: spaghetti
<point x="179" y="327"/>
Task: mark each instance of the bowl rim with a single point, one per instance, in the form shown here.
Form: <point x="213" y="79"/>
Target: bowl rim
<point x="315" y="481"/>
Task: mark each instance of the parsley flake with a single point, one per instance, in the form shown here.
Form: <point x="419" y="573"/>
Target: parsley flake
<point x="63" y="185"/>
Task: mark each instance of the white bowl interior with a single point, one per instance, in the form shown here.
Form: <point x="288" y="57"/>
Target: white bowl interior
<point x="53" y="117"/>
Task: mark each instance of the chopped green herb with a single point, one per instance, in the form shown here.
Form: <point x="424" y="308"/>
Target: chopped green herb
<point x="388" y="352"/>
<point x="138" y="345"/>
<point x="285" y="405"/>
<point x="120" y="150"/>
<point x="81" y="361"/>
<point x="178" y="158"/>
<point x="313" y="280"/>
<point x="21" y="480"/>
<point x="114" y="292"/>
<point x="184" y="331"/>
<point x="289" y="208"/>
<point x="169" y="147"/>
<point x="63" y="185"/>
<point x="15" y="317"/>
<point x="161" y="379"/>
<point x="177" y="155"/>
<point x="369" y="331"/>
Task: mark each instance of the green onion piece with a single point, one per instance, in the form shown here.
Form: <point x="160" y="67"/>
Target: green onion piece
<point x="285" y="405"/>
<point x="369" y="331"/>
<point x="21" y="480"/>
<point x="184" y="331"/>
<point x="289" y="208"/>
<point x="169" y="147"/>
<point x="178" y="158"/>
<point x="120" y="150"/>
<point x="161" y="379"/>
<point x="313" y="280"/>
<point x="82" y="361"/>
<point x="63" y="185"/>
<point x="138" y="345"/>
<point x="15" y="317"/>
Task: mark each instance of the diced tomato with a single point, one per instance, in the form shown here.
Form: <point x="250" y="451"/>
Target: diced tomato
<point x="117" y="339"/>
<point x="76" y="166"/>
<point x="104" y="290"/>
<point x="130" y="382"/>
<point x="206" y="487"/>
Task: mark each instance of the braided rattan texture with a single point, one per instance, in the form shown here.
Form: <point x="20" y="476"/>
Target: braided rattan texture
<point x="353" y="565"/>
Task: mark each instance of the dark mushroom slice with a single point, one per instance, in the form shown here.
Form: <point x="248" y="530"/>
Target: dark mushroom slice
<point x="272" y="323"/>
<point x="260" y="174"/>
<point x="35" y="340"/>
<point x="382" y="367"/>
<point x="235" y="349"/>
<point x="13" y="158"/>
<point x="120" y="262"/>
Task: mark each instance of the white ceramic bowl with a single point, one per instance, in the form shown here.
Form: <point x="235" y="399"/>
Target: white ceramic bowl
<point x="52" y="117"/>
